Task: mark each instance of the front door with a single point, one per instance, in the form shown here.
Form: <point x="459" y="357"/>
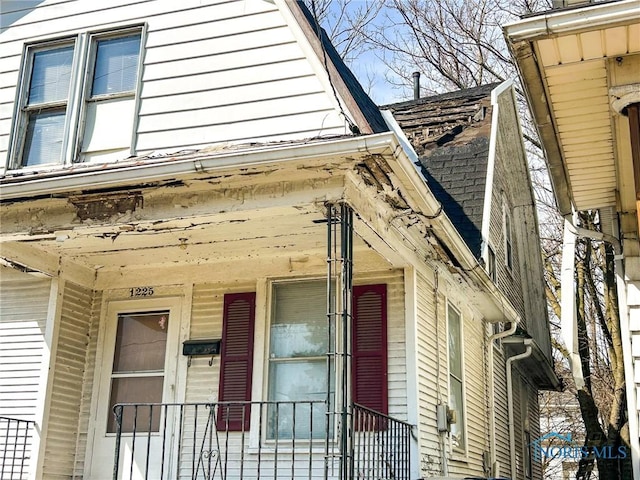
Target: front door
<point x="138" y="366"/>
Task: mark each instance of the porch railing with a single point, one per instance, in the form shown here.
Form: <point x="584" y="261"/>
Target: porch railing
<point x="15" y="448"/>
<point x="254" y="440"/>
<point x="380" y="446"/>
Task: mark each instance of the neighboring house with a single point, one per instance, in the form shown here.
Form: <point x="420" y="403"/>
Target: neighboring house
<point x="206" y="223"/>
<point x="581" y="70"/>
<point x="470" y="151"/>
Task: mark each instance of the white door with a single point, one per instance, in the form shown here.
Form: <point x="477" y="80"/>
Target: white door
<point x="140" y="349"/>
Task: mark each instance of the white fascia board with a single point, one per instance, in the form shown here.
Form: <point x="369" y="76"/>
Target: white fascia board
<point x="151" y="171"/>
<point x="567" y="21"/>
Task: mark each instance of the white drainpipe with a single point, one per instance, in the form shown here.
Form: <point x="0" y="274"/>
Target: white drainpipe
<point x="568" y="322"/>
<point x="512" y="436"/>
<point x="495" y="466"/>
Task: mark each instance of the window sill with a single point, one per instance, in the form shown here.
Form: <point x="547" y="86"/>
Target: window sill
<point x="459" y="456"/>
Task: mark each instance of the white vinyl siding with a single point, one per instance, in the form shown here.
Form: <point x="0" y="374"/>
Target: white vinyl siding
<point x="22" y="344"/>
<point x="68" y="377"/>
<point x="201" y="62"/>
<point x="22" y="340"/>
<point x="433" y="386"/>
<point x="206" y="322"/>
<point x="87" y="385"/>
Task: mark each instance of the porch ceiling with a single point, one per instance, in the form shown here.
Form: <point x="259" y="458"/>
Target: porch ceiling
<point x="250" y="235"/>
<point x="569" y="60"/>
<point x="574" y="69"/>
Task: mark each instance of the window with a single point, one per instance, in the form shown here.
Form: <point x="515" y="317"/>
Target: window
<point x="508" y="242"/>
<point x="45" y="111"/>
<point x="299" y="342"/>
<point x="456" y="386"/>
<point x="491" y="264"/>
<point x="110" y="106"/>
<point x="56" y="100"/>
<point x="138" y="367"/>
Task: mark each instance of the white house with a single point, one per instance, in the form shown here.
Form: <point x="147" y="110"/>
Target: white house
<point x="221" y="260"/>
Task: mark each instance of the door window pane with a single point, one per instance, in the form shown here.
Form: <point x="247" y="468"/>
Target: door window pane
<point x="136" y="390"/>
<point x="138" y="368"/>
<point x="141" y="341"/>
<point x="116" y="68"/>
<point x="43" y="142"/>
<point x="50" y="75"/>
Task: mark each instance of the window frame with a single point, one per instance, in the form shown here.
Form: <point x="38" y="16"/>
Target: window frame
<point x="462" y="422"/>
<point x="507" y="228"/>
<point x="491" y="264"/>
<point x="22" y="111"/>
<point x="525" y="420"/>
<point x="265" y="309"/>
<point x="81" y="78"/>
<point x="265" y="394"/>
<point x="86" y="99"/>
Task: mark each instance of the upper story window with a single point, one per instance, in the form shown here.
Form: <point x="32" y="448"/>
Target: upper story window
<point x="456" y="378"/>
<point x="45" y="111"/>
<point x="491" y="264"/>
<point x="77" y="100"/>
<point x="508" y="236"/>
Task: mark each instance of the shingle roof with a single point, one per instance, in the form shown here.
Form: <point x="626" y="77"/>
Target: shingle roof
<point x="450" y="133"/>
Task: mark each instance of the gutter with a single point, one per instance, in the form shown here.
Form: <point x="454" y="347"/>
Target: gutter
<point x="573" y="20"/>
<point x="567" y="285"/>
<point x="100" y="178"/>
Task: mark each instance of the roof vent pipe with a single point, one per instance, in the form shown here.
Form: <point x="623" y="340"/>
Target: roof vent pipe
<point x="416" y="85"/>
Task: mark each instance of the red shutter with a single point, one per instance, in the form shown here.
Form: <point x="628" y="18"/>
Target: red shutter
<point x="236" y="363"/>
<point x="369" y="349"/>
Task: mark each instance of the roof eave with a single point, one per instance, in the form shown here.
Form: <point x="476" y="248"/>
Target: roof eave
<point x="557" y="22"/>
<point x="537" y="99"/>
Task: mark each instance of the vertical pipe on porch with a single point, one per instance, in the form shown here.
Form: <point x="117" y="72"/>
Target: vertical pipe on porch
<point x="339" y="305"/>
<point x="331" y="241"/>
<point x="346" y="284"/>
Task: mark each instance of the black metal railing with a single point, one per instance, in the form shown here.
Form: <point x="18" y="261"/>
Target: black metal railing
<point x="15" y="448"/>
<point x="254" y="440"/>
<point x="380" y="446"/>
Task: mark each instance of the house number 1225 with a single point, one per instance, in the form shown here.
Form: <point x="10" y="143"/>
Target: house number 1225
<point x="141" y="292"/>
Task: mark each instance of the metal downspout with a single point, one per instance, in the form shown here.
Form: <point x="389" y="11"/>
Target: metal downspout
<point x="512" y="436"/>
<point x="495" y="466"/>
<point x="568" y="320"/>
